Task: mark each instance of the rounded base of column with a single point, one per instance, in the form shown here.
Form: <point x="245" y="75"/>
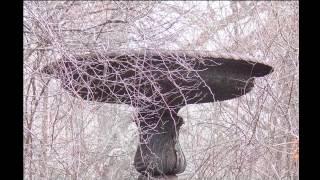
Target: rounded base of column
<point x="159" y="152"/>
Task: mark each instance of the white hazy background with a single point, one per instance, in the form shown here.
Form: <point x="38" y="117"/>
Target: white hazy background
<point x="252" y="137"/>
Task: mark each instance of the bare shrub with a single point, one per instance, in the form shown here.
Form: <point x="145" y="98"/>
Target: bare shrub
<point x="252" y="137"/>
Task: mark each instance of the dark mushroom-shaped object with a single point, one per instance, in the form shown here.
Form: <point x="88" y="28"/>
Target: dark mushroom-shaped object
<point x="158" y="85"/>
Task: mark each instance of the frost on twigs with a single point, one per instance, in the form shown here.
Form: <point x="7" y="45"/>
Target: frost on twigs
<point x="252" y="137"/>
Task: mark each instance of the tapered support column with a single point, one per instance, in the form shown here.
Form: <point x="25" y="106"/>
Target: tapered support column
<point x="159" y="152"/>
